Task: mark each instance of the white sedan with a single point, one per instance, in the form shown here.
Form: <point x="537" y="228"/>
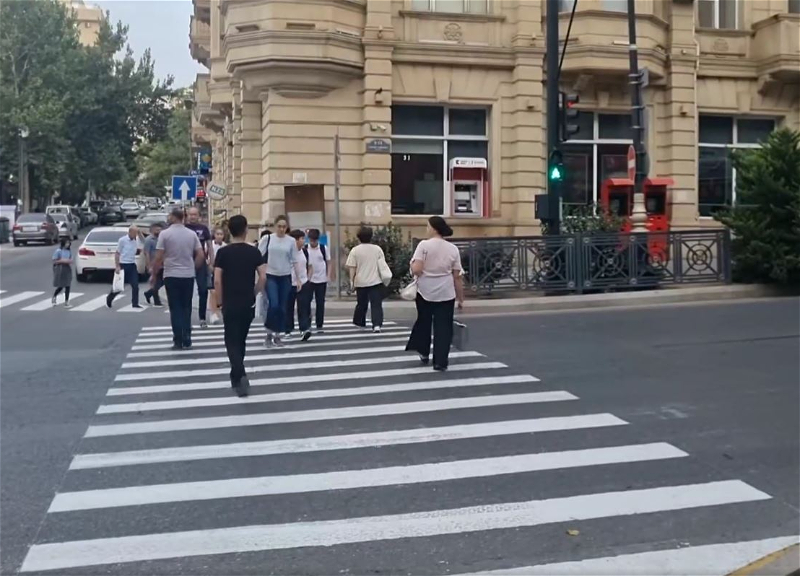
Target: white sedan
<point x="96" y="254"/>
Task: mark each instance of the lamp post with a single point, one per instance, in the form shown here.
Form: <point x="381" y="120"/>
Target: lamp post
<point x="23" y="179"/>
<point x="639" y="212"/>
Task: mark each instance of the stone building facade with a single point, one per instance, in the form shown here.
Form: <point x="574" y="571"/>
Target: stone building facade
<point x="87" y="19"/>
<point x="409" y="85"/>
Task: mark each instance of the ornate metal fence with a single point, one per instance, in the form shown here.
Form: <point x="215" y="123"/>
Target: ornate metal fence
<point x="595" y="262"/>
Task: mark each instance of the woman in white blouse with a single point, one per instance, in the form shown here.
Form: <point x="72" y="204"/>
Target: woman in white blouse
<point x="437" y="266"/>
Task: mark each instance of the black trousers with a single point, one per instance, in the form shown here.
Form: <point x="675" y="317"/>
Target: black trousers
<point x="237" y="327"/>
<point x="371" y="296"/>
<point x="319" y="291"/>
<point x="439" y="316"/>
<point x="131" y="275"/>
<point x="179" y="296"/>
<point x="302" y="302"/>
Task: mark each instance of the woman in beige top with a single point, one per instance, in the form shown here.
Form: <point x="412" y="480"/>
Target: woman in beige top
<point x="437" y="266"/>
<point x="363" y="263"/>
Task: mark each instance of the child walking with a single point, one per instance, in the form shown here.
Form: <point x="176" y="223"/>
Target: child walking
<point x="62" y="271"/>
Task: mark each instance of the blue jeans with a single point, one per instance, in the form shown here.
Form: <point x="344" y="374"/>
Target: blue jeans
<point x="179" y="294"/>
<point x="201" y="275"/>
<point x="278" y="288"/>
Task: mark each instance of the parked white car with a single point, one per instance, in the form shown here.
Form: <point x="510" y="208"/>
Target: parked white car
<point x="68" y="225"/>
<point x="131" y="209"/>
<point x="96" y="253"/>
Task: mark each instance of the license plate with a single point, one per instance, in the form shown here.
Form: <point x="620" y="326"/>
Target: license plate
<point x="30" y="228"/>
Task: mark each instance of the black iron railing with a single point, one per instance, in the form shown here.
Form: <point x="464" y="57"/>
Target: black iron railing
<point x="595" y="262"/>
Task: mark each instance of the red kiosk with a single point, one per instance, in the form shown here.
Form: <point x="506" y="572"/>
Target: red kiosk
<point x="616" y="199"/>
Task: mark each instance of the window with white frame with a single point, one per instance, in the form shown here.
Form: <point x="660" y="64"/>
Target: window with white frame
<point x="457" y="6"/>
<point x="718" y="13"/>
<point x="716" y="176"/>
<point x="598" y="151"/>
<point x="424" y="140"/>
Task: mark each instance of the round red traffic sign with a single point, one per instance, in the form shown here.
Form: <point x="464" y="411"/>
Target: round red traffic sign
<point x="631" y="162"/>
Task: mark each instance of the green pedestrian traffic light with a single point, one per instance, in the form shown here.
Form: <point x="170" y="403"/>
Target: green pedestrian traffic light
<point x="555" y="170"/>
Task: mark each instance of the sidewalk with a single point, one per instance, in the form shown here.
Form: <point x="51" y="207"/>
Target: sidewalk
<point x="672" y="295"/>
<point x="785" y="562"/>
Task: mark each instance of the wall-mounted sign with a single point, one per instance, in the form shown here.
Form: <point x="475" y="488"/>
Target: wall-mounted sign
<point x="216" y="192"/>
<point x="468" y="163"/>
<point x="299" y="178"/>
<point x="379" y="147"/>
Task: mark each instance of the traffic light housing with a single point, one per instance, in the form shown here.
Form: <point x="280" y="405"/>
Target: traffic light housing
<point x="555" y="167"/>
<point x="568" y="115"/>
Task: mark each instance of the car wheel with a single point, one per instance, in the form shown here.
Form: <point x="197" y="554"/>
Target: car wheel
<point x="81" y="277"/>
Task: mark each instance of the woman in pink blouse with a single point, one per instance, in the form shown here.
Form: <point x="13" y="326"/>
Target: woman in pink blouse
<point x="436" y="264"/>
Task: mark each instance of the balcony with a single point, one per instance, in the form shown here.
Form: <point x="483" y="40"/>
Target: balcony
<point x="202" y="10"/>
<point x="776" y="47"/>
<point x="296" y="48"/>
<point x="204" y="115"/>
<point x="598" y="44"/>
<point x="200" y="40"/>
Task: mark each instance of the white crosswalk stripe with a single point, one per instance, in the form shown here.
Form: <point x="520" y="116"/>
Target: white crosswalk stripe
<point x="95" y="303"/>
<point x="48" y="303"/>
<point x="14" y="298"/>
<point x="349" y="440"/>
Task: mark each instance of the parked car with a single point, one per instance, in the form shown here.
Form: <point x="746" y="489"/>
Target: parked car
<point x="67" y="225"/>
<point x="148" y="219"/>
<point x="131" y="208"/>
<point x="89" y="216"/>
<point x="109" y="215"/>
<point x="97" y="205"/>
<point x="96" y="253"/>
<point x="35" y="227"/>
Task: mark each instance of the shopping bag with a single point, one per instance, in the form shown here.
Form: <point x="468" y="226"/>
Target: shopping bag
<point x="260" y="315"/>
<point x="385" y="272"/>
<point x="460" y="335"/>
<point x="118" y="284"/>
<point x="409" y="292"/>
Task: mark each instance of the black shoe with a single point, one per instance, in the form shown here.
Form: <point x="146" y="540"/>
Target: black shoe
<point x="306" y="335"/>
<point x="147" y="297"/>
<point x="176" y="347"/>
<point x="135" y="306"/>
<point x="424" y="359"/>
<point x="109" y="299"/>
<point x="440" y="368"/>
<point x="186" y="347"/>
<point x="245" y="386"/>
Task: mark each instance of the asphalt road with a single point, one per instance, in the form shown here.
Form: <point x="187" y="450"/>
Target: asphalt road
<point x="710" y="390"/>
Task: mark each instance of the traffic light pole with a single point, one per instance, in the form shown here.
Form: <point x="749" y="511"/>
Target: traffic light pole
<point x="639" y="213"/>
<point x="553" y="186"/>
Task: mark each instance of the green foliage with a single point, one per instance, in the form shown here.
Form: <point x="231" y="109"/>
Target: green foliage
<point x="159" y="160"/>
<point x="397" y="248"/>
<point x="586" y="220"/>
<point x="765" y="223"/>
<point x="87" y="108"/>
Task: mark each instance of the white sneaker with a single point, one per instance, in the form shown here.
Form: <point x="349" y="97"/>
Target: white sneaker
<point x="269" y="341"/>
<point x="277" y="341"/>
<point x="215" y="319"/>
<point x="376" y="330"/>
<point x="287" y="337"/>
<point x="53" y="301"/>
<point x="67" y="305"/>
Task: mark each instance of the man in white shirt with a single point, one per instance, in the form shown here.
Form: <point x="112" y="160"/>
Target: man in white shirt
<point x="125" y="262"/>
<point x="321" y="273"/>
<point x="303" y="295"/>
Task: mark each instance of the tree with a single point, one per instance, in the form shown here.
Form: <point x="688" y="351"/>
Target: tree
<point x="158" y="161"/>
<point x="765" y="223"/>
<point x="87" y="108"/>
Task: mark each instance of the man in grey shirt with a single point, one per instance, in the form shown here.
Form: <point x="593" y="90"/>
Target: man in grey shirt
<point x="179" y="252"/>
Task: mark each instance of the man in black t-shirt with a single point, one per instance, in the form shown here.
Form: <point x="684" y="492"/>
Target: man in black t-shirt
<point x="239" y="274"/>
<point x="201" y="273"/>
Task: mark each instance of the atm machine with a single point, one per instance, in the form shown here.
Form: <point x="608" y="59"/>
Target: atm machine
<point x="469" y="187"/>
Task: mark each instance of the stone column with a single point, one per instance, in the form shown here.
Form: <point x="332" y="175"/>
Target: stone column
<point x="376" y="176"/>
<point x="251" y="160"/>
<point x="677" y="120"/>
<point x="236" y="151"/>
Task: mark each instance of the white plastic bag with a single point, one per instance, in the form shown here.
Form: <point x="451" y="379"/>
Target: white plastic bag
<point x="118" y="284"/>
<point x="409" y="292"/>
<point x="260" y="307"/>
<point x="385" y="272"/>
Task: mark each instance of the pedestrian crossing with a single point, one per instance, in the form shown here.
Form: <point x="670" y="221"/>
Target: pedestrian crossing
<point x="349" y="457"/>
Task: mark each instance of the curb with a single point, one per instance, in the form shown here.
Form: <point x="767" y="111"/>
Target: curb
<point x="594" y="301"/>
<point x="785" y="562"/>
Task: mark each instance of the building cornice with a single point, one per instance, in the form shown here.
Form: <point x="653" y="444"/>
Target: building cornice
<point x="452" y="16"/>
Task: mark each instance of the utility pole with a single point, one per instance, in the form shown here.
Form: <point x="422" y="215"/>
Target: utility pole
<point x="337" y="241"/>
<point x="639" y="213"/>
<point x="553" y="185"/>
<point x="24" y="189"/>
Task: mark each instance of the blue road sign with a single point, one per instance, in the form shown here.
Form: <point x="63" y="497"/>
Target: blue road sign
<point x="184" y="187"/>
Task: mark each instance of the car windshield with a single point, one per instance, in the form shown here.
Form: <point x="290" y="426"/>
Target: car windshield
<point x="32" y="218"/>
<point x="105" y="236"/>
<point x="60" y="217"/>
<point x="58" y="210"/>
<point x="130" y="205"/>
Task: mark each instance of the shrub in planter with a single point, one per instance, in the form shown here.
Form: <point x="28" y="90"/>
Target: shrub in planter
<point x="765" y="222"/>
<point x="397" y="248"/>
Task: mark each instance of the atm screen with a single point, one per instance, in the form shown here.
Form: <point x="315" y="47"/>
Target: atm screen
<point x="618" y="204"/>
<point x="656" y="204"/>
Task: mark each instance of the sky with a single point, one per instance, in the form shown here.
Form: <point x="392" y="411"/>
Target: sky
<point x="162" y="26"/>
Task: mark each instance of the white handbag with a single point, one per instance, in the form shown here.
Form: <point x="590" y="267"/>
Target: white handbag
<point x="409" y="292"/>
